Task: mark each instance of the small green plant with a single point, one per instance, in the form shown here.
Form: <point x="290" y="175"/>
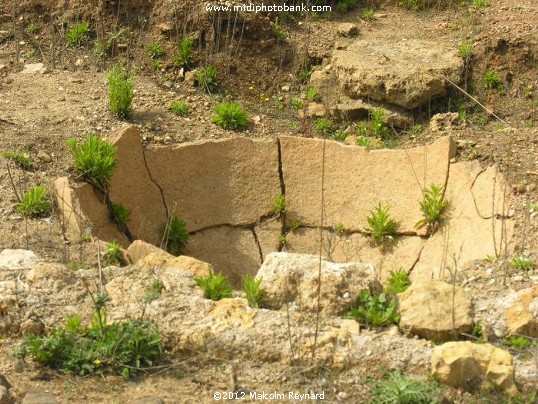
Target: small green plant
<point x="78" y="33"/>
<point x="465" y="51"/>
<point x="35" y="202"/>
<point x="312" y="94"/>
<point x="20" y="158"/>
<point x="397" y="282"/>
<point x="518" y="342"/>
<point x="345" y="5"/>
<point x="376" y="311"/>
<point x="296" y="104"/>
<point x="113" y="254"/>
<point x="278" y="31"/>
<point x="379" y="129"/>
<point x="295" y="225"/>
<point x="155" y="51"/>
<point x="492" y="81"/>
<point x="121" y="348"/>
<point x="120" y="92"/>
<point x="95" y="159"/>
<point x="184" y="57"/>
<point x="175" y="235"/>
<point x="32" y="27"/>
<point x="380" y="225"/>
<point x="206" y="78"/>
<point x="533" y="207"/>
<point x="254" y="293"/>
<point x="398" y="389"/>
<point x="101" y="49"/>
<point x="433" y="208"/>
<point x="363" y="141"/>
<point x="340" y="229"/>
<point x="279" y="205"/>
<point x="154" y="291"/>
<point x="416" y="129"/>
<point x="325" y="126"/>
<point x="119" y="214"/>
<point x="521" y="261"/>
<point x="303" y="74"/>
<point x="481" y="4"/>
<point x="179" y="108"/>
<point x="368" y="14"/>
<point x="282" y="240"/>
<point x="215" y="287"/>
<point x="339" y="135"/>
<point x="230" y="115"/>
<point x="415" y="5"/>
<point x="156" y="64"/>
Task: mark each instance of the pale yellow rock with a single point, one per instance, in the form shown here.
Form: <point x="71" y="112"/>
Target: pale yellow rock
<point x="139" y="249"/>
<point x="166" y="261"/>
<point x="232" y="313"/>
<point x="67" y="202"/>
<point x="470" y="365"/>
<point x="522" y="315"/>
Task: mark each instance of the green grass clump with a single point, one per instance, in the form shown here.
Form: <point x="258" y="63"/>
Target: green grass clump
<point x="230" y="115"/>
<point x="345" y="5"/>
<point x="119" y="348"/>
<point x="465" y="51"/>
<point x="398" y="389"/>
<point x="518" y="342"/>
<point x="20" y="158"/>
<point x="78" y="33"/>
<point x="184" y="57"/>
<point x="379" y="129"/>
<point x="95" y="159"/>
<point x="492" y="81"/>
<point x="312" y="94"/>
<point x="278" y="31"/>
<point x="433" y="208"/>
<point x="340" y="229"/>
<point x="206" y="78"/>
<point x="481" y="5"/>
<point x="279" y="205"/>
<point x="296" y="104"/>
<point x="376" y="311"/>
<point x="155" y="51"/>
<point x="35" y="202"/>
<point x="120" y="92"/>
<point x="254" y="293"/>
<point x="215" y="287"/>
<point x="368" y="14"/>
<point x="380" y="225"/>
<point x="325" y="126"/>
<point x="179" y="108"/>
<point x="175" y="235"/>
<point x="154" y="291"/>
<point x="119" y="214"/>
<point x="113" y="254"/>
<point x="521" y="261"/>
<point x="397" y="282"/>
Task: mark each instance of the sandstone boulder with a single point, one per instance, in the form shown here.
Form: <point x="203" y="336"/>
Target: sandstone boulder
<point x="139" y="249"/>
<point x="522" y="315"/>
<point x="470" y="365"/>
<point x="408" y="72"/>
<point x="68" y="205"/>
<point x="18" y="259"/>
<point x="435" y="310"/>
<point x="293" y="278"/>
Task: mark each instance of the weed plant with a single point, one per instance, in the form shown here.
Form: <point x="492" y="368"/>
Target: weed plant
<point x="521" y="261"/>
<point x="399" y="389"/>
<point x="325" y="126"/>
<point x="113" y="254"/>
<point x="179" y="108"/>
<point x="375" y="311"/>
<point x="95" y="159"/>
<point x="518" y="342"/>
<point x="154" y="291"/>
<point x="278" y="31"/>
<point x="215" y="286"/>
<point x="155" y="51"/>
<point x="175" y="235"/>
<point x="120" y="92"/>
<point x="20" y="158"/>
<point x="184" y="57"/>
<point x="78" y="33"/>
<point x="206" y="78"/>
<point x="279" y="205"/>
<point x="312" y="94"/>
<point x="492" y="81"/>
<point x="397" y="282"/>
<point x="368" y="14"/>
<point x="433" y="208"/>
<point x="381" y="227"/>
<point x="119" y="214"/>
<point x="35" y="202"/>
<point x="230" y="115"/>
<point x="254" y="293"/>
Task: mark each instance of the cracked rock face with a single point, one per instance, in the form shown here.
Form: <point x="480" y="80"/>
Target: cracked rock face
<point x="225" y="191"/>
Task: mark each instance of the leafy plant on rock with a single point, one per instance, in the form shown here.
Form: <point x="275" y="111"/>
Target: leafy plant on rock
<point x="184" y="57"/>
<point x="398" y="389"/>
<point x="113" y="254"/>
<point x="254" y="293"/>
<point x="215" y="286"/>
<point x="119" y="214"/>
<point x="78" y="33"/>
<point x="120" y="92"/>
<point x="20" y="158"/>
<point x="206" y="78"/>
<point x="381" y="227"/>
<point x="397" y="282"/>
<point x="175" y="235"/>
<point x="374" y="311"/>
<point x="521" y="261"/>
<point x="433" y="208"/>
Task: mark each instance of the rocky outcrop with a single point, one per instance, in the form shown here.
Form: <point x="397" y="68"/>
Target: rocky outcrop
<point x="407" y="72"/>
<point x="139" y="249"/>
<point x="18" y="259"/>
<point x="294" y="279"/>
<point x="522" y="313"/>
<point x="471" y="366"/>
<point x="435" y="310"/>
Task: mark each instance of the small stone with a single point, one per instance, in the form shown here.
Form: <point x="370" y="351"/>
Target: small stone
<point x="286" y="89"/>
<point x="257" y="119"/>
<point x="347" y="29"/>
<point x="19" y="366"/>
<point x="38" y="396"/>
<point x="41" y="155"/>
<point x="190" y="77"/>
<point x="34" y="68"/>
<point x="164" y="28"/>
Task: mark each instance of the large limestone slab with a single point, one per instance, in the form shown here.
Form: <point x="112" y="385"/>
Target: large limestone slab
<point x="229" y="181"/>
<point x="67" y="202"/>
<point x="357" y="248"/>
<point x="132" y="186"/>
<point x="356" y="180"/>
<point x="468" y="235"/>
<point x="408" y="72"/>
<point x="230" y="250"/>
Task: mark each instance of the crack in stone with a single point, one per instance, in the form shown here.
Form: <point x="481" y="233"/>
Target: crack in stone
<point x="156" y="184"/>
<point x="282" y="217"/>
<point x="257" y="241"/>
<point x="418" y="259"/>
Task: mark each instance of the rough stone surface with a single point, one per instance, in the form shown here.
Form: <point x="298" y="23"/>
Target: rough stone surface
<point x="34" y="68"/>
<point x="5" y="397"/>
<point x="139" y="249"/>
<point x="38" y="396"/>
<point x="232" y="251"/>
<point x="230" y="181"/>
<point x="132" y="186"/>
<point x="294" y="278"/>
<point x="68" y="205"/>
<point x="522" y="315"/>
<point x="435" y="310"/>
<point x="18" y="259"/>
<point x="267" y="233"/>
<point x="51" y="276"/>
<point x="356" y="180"/>
<point x="347" y="29"/>
<point x="408" y="73"/>
<point x="470" y="365"/>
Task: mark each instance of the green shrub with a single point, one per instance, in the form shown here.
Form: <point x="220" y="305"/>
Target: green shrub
<point x="481" y="4"/>
<point x="340" y="229"/>
<point x="35" y="202"/>
<point x="380" y="225"/>
<point x="119" y="214"/>
<point x="113" y="254"/>
<point x="175" y="235"/>
<point x="78" y="33"/>
<point x="398" y="389"/>
<point x="376" y="311"/>
<point x="254" y="293"/>
<point x="379" y="130"/>
<point x="296" y="104"/>
<point x="279" y="205"/>
<point x="120" y="92"/>
<point x="339" y="135"/>
<point x="433" y="208"/>
<point x="492" y="81"/>
<point x="206" y="78"/>
<point x="465" y="51"/>
<point x="325" y="126"/>
<point x="364" y="142"/>
<point x="95" y="159"/>
<point x="121" y="348"/>
<point x="154" y="291"/>
<point x="397" y="282"/>
<point x="179" y="108"/>
<point x="20" y="158"/>
<point x="521" y="261"/>
<point x="278" y="31"/>
<point x="184" y="57"/>
<point x="215" y="287"/>
<point x="230" y="115"/>
<point x="518" y="342"/>
<point x="155" y="51"/>
<point x="368" y="14"/>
